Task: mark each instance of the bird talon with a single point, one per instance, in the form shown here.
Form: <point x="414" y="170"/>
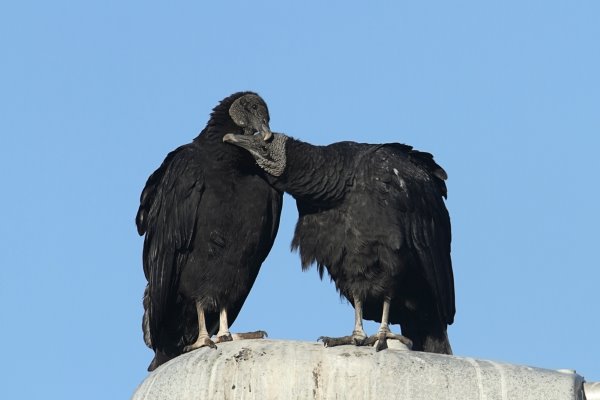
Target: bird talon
<point x="203" y="342"/>
<point x="325" y="340"/>
<point x="224" y="338"/>
<point x="381" y="343"/>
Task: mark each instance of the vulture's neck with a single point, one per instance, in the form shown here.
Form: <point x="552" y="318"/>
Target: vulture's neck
<point x="314" y="174"/>
<point x="223" y="154"/>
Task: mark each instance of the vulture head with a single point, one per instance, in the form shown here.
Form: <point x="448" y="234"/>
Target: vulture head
<point x="269" y="155"/>
<point x="250" y="112"/>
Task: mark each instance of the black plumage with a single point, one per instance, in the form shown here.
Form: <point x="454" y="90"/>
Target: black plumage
<point x="209" y="221"/>
<point x="373" y="216"/>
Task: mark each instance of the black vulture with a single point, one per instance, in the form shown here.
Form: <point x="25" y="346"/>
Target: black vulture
<point x="209" y="221"/>
<point x="374" y="216"/>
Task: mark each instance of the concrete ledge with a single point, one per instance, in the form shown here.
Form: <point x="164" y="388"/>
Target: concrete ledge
<point x="592" y="390"/>
<point x="271" y="369"/>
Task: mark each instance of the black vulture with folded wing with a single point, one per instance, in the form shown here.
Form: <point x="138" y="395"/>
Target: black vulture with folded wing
<point x="209" y="221"/>
<point x="373" y="216"/>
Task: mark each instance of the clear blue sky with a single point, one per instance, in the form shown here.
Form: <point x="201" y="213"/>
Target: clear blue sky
<point x="94" y="94"/>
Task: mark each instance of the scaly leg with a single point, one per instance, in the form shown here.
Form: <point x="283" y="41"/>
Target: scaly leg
<point x="358" y="335"/>
<point x="384" y="333"/>
<point x="203" y="336"/>
<point x="225" y="336"/>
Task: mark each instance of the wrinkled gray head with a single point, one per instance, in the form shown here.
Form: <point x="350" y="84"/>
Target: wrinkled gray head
<point x="269" y="155"/>
<point x="250" y="112"/>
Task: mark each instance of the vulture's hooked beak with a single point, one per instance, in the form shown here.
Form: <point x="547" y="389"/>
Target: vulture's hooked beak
<point x="253" y="144"/>
<point x="231" y="138"/>
<point x="265" y="131"/>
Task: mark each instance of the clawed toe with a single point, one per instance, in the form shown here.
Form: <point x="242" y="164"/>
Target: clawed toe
<point x="224" y="338"/>
<point x="250" y="335"/>
<point x="370" y="341"/>
<point x="402" y="339"/>
<point x="332" y="342"/>
<point x="380" y="340"/>
<point x="381" y="343"/>
<point x="357" y="340"/>
<point x="325" y="340"/>
<point x="201" y="342"/>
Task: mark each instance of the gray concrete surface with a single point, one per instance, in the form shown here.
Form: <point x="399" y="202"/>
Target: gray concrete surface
<point x="592" y="390"/>
<point x="270" y="369"/>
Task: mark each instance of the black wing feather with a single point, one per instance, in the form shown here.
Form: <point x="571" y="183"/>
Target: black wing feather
<point x="417" y="187"/>
<point x="168" y="213"/>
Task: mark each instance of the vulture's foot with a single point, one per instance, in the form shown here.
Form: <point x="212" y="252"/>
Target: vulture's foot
<point x="224" y="338"/>
<point x="249" y="335"/>
<point x="203" y="341"/>
<point x="380" y="340"/>
<point x="357" y="338"/>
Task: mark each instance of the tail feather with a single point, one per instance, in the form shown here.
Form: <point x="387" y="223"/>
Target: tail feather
<point x="159" y="359"/>
<point x="436" y="343"/>
<point x="427" y="336"/>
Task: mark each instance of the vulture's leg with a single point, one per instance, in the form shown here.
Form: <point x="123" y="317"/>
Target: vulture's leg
<point x="225" y="336"/>
<point x="384" y="333"/>
<point x="203" y="336"/>
<point x="384" y="328"/>
<point x="358" y="335"/>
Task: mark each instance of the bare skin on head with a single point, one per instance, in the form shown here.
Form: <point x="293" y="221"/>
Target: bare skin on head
<point x="250" y="113"/>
